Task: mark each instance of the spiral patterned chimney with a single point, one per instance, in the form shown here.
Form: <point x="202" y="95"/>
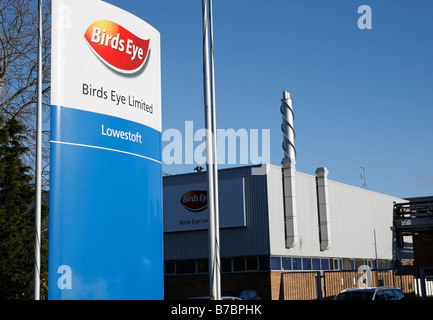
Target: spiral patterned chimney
<point x="288" y="118"/>
<point x="289" y="171"/>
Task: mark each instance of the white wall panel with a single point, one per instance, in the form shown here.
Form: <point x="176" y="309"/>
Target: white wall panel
<point x="355" y="215"/>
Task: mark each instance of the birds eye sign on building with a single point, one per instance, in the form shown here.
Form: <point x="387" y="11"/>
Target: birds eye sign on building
<point x="194" y="200"/>
<point x="106" y="236"/>
<point x="186" y="207"/>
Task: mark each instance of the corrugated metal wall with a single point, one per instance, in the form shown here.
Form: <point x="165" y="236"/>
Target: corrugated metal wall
<point x="355" y="215"/>
<point x="308" y="229"/>
<point x="358" y="215"/>
<point x="251" y="240"/>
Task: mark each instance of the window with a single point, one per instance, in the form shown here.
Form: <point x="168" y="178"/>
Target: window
<point x="187" y="266"/>
<point x="275" y="263"/>
<point x="398" y="295"/>
<point x="252" y="263"/>
<point x="358" y="263"/>
<point x="370" y="264"/>
<point x="236" y="264"/>
<point x="286" y="263"/>
<point x="239" y="264"/>
<point x="316" y="263"/>
<point x="203" y="266"/>
<point x="325" y="264"/>
<point x="264" y="263"/>
<point x="306" y="263"/>
<point x="170" y="267"/>
<point x="389" y="294"/>
<point x="226" y="265"/>
<point x="346" y="264"/>
<point x="381" y="264"/>
<point x="297" y="264"/>
<point x="335" y="264"/>
<point x="384" y="295"/>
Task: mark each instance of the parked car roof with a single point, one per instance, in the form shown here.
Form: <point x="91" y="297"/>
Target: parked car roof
<point x="372" y="293"/>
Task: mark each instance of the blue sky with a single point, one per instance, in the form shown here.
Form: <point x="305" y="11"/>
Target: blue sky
<point x="362" y="98"/>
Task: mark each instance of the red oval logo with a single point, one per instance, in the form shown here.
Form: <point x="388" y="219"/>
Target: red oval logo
<point x="116" y="46"/>
<point x="194" y="200"/>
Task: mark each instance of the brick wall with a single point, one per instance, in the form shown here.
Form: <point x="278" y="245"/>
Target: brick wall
<point x="278" y="285"/>
<point x="184" y="287"/>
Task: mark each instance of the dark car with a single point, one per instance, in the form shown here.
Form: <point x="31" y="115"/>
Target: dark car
<point x="375" y="293"/>
<point x="249" y="295"/>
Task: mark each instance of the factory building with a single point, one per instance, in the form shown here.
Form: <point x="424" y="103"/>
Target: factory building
<point x="255" y="244"/>
<point x="272" y="220"/>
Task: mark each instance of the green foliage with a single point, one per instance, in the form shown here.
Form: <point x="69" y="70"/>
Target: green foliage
<point x="17" y="215"/>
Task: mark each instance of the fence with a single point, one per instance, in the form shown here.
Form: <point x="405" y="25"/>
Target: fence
<point x="416" y="283"/>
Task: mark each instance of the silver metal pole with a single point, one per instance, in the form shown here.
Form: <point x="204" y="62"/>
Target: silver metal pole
<point x="38" y="163"/>
<point x="210" y="161"/>
<point x="217" y="266"/>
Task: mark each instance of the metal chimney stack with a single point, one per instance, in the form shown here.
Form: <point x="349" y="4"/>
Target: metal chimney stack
<point x="288" y="118"/>
<point x="289" y="170"/>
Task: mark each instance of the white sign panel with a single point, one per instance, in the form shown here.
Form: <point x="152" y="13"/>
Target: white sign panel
<point x="118" y="73"/>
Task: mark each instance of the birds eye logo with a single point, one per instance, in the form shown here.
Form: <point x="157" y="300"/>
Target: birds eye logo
<point x="116" y="46"/>
<point x="194" y="200"/>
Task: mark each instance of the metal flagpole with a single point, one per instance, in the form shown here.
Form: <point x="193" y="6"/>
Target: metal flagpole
<point x="214" y="149"/>
<point x="214" y="276"/>
<point x="38" y="163"/>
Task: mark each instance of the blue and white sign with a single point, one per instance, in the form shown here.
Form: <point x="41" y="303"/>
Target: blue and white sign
<point x="106" y="236"/>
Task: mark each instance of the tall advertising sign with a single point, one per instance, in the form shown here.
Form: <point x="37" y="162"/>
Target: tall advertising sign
<point x="106" y="236"/>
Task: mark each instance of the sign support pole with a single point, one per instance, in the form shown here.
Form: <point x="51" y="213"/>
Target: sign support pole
<point x="212" y="170"/>
<point x="215" y="167"/>
<point x="38" y="163"/>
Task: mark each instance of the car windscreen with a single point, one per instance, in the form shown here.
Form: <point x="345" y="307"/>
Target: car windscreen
<point x="355" y="295"/>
